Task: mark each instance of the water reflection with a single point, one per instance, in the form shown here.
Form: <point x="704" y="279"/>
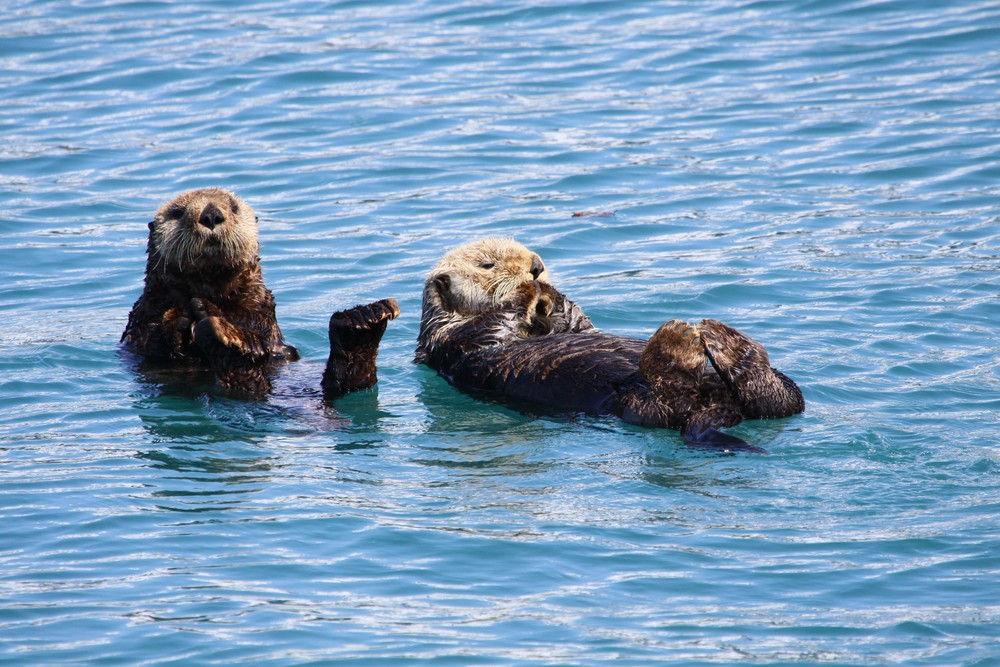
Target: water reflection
<point x="207" y="456"/>
<point x="450" y="410"/>
<point x="500" y="470"/>
<point x="294" y="407"/>
<point x="215" y="452"/>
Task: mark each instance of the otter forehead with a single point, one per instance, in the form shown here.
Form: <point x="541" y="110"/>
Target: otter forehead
<point x="491" y="254"/>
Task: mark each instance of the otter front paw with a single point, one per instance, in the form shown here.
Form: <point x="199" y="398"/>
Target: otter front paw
<point x="177" y="332"/>
<point x="355" y="335"/>
<point x="534" y="304"/>
<point x="198" y="309"/>
<point x="215" y="331"/>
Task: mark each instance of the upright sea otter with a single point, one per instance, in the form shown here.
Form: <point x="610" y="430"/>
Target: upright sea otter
<point x="205" y="306"/>
<point x="492" y="323"/>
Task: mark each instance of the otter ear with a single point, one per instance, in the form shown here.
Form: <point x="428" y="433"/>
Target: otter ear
<point x="442" y="282"/>
<point x="151" y="224"/>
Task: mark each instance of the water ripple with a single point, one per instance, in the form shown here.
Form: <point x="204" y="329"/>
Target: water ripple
<point x="820" y="174"/>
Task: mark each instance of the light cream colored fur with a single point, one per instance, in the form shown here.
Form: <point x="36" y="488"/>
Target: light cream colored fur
<point x="486" y="272"/>
<point x="183" y="242"/>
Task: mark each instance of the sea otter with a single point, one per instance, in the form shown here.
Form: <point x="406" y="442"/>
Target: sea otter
<point x="492" y="323"/>
<point x="204" y="306"/>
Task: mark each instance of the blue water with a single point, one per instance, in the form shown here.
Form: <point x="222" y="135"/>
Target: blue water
<point x="824" y="175"/>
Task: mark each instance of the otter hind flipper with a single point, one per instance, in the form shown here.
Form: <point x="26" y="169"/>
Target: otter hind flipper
<point x="744" y="366"/>
<point x="672" y="363"/>
<point x="674" y="350"/>
<point x="355" y="335"/>
<point x="702" y="437"/>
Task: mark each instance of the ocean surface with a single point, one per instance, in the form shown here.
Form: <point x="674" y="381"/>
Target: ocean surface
<point x="822" y="174"/>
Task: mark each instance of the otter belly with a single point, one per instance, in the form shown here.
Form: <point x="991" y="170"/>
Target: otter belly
<point x="581" y="372"/>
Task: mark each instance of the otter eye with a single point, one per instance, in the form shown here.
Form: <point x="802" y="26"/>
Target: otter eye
<point x="234" y="207"/>
<point x="174" y="213"/>
<point x="486" y="265"/>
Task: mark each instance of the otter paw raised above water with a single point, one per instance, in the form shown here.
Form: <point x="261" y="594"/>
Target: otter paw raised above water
<point x="355" y="335"/>
<point x="674" y="348"/>
<point x="178" y="331"/>
<point x="534" y="303"/>
<point x="360" y="326"/>
<point x="744" y="365"/>
<point x="211" y="329"/>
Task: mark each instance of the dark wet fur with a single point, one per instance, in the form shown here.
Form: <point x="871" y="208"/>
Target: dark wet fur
<point x="541" y="348"/>
<point x="355" y="335"/>
<point x="208" y="316"/>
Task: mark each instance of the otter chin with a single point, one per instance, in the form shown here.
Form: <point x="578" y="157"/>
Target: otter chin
<point x="492" y="323"/>
<point x="204" y="304"/>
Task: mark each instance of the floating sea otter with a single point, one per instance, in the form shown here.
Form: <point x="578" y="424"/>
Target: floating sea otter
<point x="204" y="305"/>
<point x="492" y="323"/>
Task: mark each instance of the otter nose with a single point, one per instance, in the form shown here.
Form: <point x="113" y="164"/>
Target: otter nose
<point x="211" y="216"/>
<point x="536" y="267"/>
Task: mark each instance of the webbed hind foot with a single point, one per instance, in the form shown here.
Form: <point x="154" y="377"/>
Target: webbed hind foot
<point x="674" y="350"/>
<point x="672" y="364"/>
<point x="732" y="353"/>
<point x="744" y="365"/>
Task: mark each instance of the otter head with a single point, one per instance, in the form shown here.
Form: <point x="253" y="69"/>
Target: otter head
<point x="482" y="274"/>
<point x="201" y="229"/>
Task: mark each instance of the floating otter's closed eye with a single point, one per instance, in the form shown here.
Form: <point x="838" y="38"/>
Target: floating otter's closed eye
<point x="505" y="330"/>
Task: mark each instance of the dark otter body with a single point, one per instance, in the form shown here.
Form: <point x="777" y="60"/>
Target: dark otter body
<point x="539" y="347"/>
<point x="204" y="304"/>
<point x="205" y="307"/>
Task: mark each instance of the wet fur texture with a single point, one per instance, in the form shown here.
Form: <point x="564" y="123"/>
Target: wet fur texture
<point x="515" y="336"/>
<point x="355" y="335"/>
<point x="204" y="304"/>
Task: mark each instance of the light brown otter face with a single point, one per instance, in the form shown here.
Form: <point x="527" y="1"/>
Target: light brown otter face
<point x="482" y="274"/>
<point x="201" y="228"/>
